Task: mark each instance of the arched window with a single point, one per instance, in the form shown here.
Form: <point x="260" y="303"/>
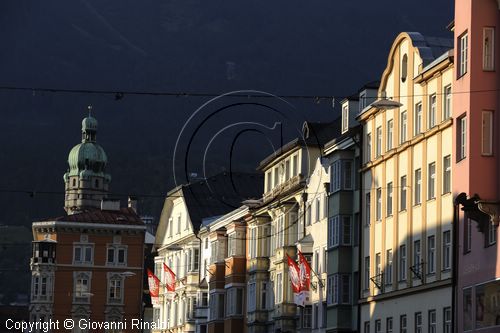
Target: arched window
<point x="404" y="68"/>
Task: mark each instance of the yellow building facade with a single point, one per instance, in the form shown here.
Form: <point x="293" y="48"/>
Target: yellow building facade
<point x="407" y="204"/>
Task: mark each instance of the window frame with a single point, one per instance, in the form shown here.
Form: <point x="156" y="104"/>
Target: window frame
<point x="488" y="54"/>
<point x="462" y="53"/>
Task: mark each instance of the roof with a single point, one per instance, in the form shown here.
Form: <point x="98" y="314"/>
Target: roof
<point x="220" y="194"/>
<point x="124" y="216"/>
<point x="313" y="134"/>
<point x="430" y="48"/>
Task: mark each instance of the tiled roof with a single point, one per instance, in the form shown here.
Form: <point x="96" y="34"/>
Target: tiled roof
<point x="220" y="194"/>
<point x="125" y="216"/>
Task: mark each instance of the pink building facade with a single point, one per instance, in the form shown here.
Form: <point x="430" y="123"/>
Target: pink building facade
<point x="476" y="181"/>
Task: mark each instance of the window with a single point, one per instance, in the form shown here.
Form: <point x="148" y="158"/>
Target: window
<point x="367" y="327"/>
<point x="295" y="170"/>
<point x="432" y="111"/>
<point x="378" y="267"/>
<point x="325" y="260"/>
<point x="402" y="324"/>
<point x="367" y="209"/>
<point x="346" y="230"/>
<point x="269" y="184"/>
<point x="115" y="287"/>
<point x="316" y="260"/>
<point x="446" y="250"/>
<point x="402" y="184"/>
<point x="418" y="187"/>
<point x="432" y="321"/>
<point x="234" y="301"/>
<point x="404" y="67"/>
<point x="389" y="199"/>
<point x="81" y="289"/>
<point x="280" y="230"/>
<point x="467" y="308"/>
<point x="329" y="289"/>
<point x="276" y="177"/>
<point x="417" y="258"/>
<point x="379" y="204"/>
<point x="388" y="325"/>
<point x="402" y="262"/>
<point x="390" y="129"/>
<point x="179" y="218"/>
<point x="82" y="254"/>
<point x="345" y="292"/>
<point x="431" y="254"/>
<point x="116" y="255"/>
<point x="418" y="322"/>
<point x="308" y="214"/>
<point x="339" y="231"/>
<point x="488" y="49"/>
<point x="467" y="235"/>
<point x="287" y="169"/>
<point x="253" y="243"/>
<point x="431" y="181"/>
<point x="40" y="287"/>
<point x="487" y="133"/>
<point x="447" y="320"/>
<point x="368" y="155"/>
<point x="315" y="316"/>
<point x="388" y="269"/>
<point x="492" y="233"/>
<point x="318" y="209"/>
<point x="306" y="316"/>
<point x="345" y="119"/>
<point x="379" y="142"/>
<point x="447" y="102"/>
<point x="263" y="295"/>
<point x="378" y="326"/>
<point x="362" y="101"/>
<point x="402" y="127"/>
<point x="447" y="174"/>
<point x="170" y="227"/>
<point x="462" y="54"/>
<point x="367" y="273"/>
<point x="279" y="288"/>
<point x="462" y="138"/>
<point x="418" y="119"/>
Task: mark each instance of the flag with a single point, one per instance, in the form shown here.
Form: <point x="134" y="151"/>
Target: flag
<point x="305" y="278"/>
<point x="294" y="274"/>
<point x="154" y="287"/>
<point x="169" y="278"/>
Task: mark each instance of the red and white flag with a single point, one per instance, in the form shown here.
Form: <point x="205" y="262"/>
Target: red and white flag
<point x="294" y="274"/>
<point x="305" y="279"/>
<point x="169" y="278"/>
<point x="154" y="287"/>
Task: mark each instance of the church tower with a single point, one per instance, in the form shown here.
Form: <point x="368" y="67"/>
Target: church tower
<point x="86" y="181"/>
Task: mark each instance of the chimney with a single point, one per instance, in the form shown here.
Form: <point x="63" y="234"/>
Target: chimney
<point x="132" y="203"/>
<point x="109" y="204"/>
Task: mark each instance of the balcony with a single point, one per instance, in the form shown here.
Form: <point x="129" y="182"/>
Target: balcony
<point x="201" y="312"/>
<point x="259" y="264"/>
<point x="288" y="186"/>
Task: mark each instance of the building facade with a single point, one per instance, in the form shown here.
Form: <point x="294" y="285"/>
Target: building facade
<point x="343" y="155"/>
<point x="406" y="192"/>
<point x="290" y="216"/>
<point x="180" y="246"/>
<point x="88" y="265"/>
<point x="475" y="164"/>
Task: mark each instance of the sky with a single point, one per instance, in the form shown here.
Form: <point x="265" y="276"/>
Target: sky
<point x="189" y="47"/>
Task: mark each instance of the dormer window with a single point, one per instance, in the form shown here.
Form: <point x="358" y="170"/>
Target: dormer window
<point x="345" y="118"/>
<point x="362" y="101"/>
